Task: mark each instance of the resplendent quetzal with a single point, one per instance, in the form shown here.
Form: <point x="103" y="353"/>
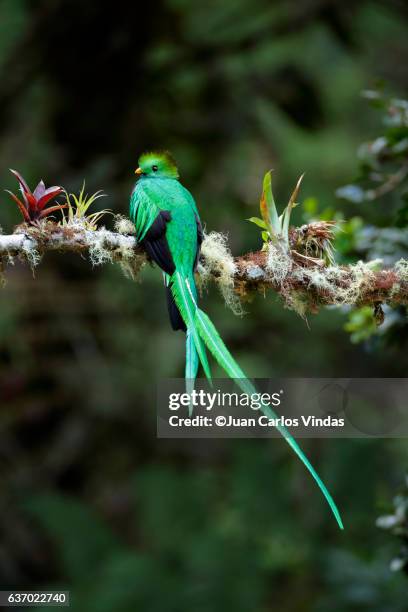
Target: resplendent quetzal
<point x="168" y="227"/>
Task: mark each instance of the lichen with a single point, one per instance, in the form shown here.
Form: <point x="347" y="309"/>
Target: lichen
<point x="132" y="263"/>
<point x="297" y="301"/>
<point x="342" y="285"/>
<point x="278" y="264"/>
<point x="218" y="264"/>
<point x="362" y="278"/>
<point x="119" y="251"/>
<point x="30" y="253"/>
<point x="401" y="268"/>
<point x="123" y="225"/>
<point x="98" y="253"/>
<point x="32" y="256"/>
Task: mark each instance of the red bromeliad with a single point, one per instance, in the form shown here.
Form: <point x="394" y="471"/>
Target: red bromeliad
<point x="33" y="205"/>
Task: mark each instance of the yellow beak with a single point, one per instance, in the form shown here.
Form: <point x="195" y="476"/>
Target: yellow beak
<point x="138" y="171"/>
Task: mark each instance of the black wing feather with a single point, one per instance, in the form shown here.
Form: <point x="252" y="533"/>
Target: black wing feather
<point x="156" y="245"/>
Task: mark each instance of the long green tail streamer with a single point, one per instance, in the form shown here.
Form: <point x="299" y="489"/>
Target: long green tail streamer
<point x="217" y="347"/>
<point x="205" y="330"/>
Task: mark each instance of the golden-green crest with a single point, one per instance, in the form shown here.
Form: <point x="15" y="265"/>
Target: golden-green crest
<point x="158" y="164"/>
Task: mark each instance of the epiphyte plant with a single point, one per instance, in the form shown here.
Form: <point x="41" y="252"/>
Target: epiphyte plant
<point x="275" y="227"/>
<point x="312" y="243"/>
<point x="33" y="207"/>
<point x="78" y="206"/>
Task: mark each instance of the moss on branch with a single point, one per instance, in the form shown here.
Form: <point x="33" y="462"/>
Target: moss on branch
<point x="304" y="283"/>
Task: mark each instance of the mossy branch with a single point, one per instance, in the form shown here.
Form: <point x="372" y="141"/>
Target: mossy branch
<point x="307" y="288"/>
<point x="305" y="283"/>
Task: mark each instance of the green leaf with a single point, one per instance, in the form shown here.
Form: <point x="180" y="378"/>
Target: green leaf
<point x="288" y="210"/>
<point x="258" y="222"/>
<point x="268" y="206"/>
<point x="265" y="236"/>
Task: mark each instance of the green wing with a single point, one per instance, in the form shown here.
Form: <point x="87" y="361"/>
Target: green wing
<point x="143" y="211"/>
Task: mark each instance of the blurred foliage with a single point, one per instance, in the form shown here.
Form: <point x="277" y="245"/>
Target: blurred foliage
<point x="90" y="499"/>
<point x="361" y="324"/>
<point x="383" y="161"/>
<point x="383" y="171"/>
<point x="397" y="524"/>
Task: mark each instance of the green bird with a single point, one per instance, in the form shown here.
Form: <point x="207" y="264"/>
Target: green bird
<point x="168" y="227"/>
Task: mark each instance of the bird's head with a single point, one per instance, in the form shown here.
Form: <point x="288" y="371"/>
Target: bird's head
<point x="157" y="165"/>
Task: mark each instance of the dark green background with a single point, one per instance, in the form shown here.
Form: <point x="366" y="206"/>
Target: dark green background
<point x="90" y="500"/>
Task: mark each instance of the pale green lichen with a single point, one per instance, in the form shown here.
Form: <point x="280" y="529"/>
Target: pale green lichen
<point x="123" y="225"/>
<point x="395" y="289"/>
<point x="343" y="285"/>
<point x="361" y="278"/>
<point x="315" y="278"/>
<point x="122" y="253"/>
<point x="30" y="240"/>
<point x="218" y="264"/>
<point x="278" y="264"/>
<point x="401" y="268"/>
<point x="131" y="263"/>
<point x="98" y="253"/>
<point x="297" y="301"/>
<point x="30" y="253"/>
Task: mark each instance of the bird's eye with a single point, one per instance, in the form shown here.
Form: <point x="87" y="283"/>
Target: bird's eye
<point x="154" y="168"/>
